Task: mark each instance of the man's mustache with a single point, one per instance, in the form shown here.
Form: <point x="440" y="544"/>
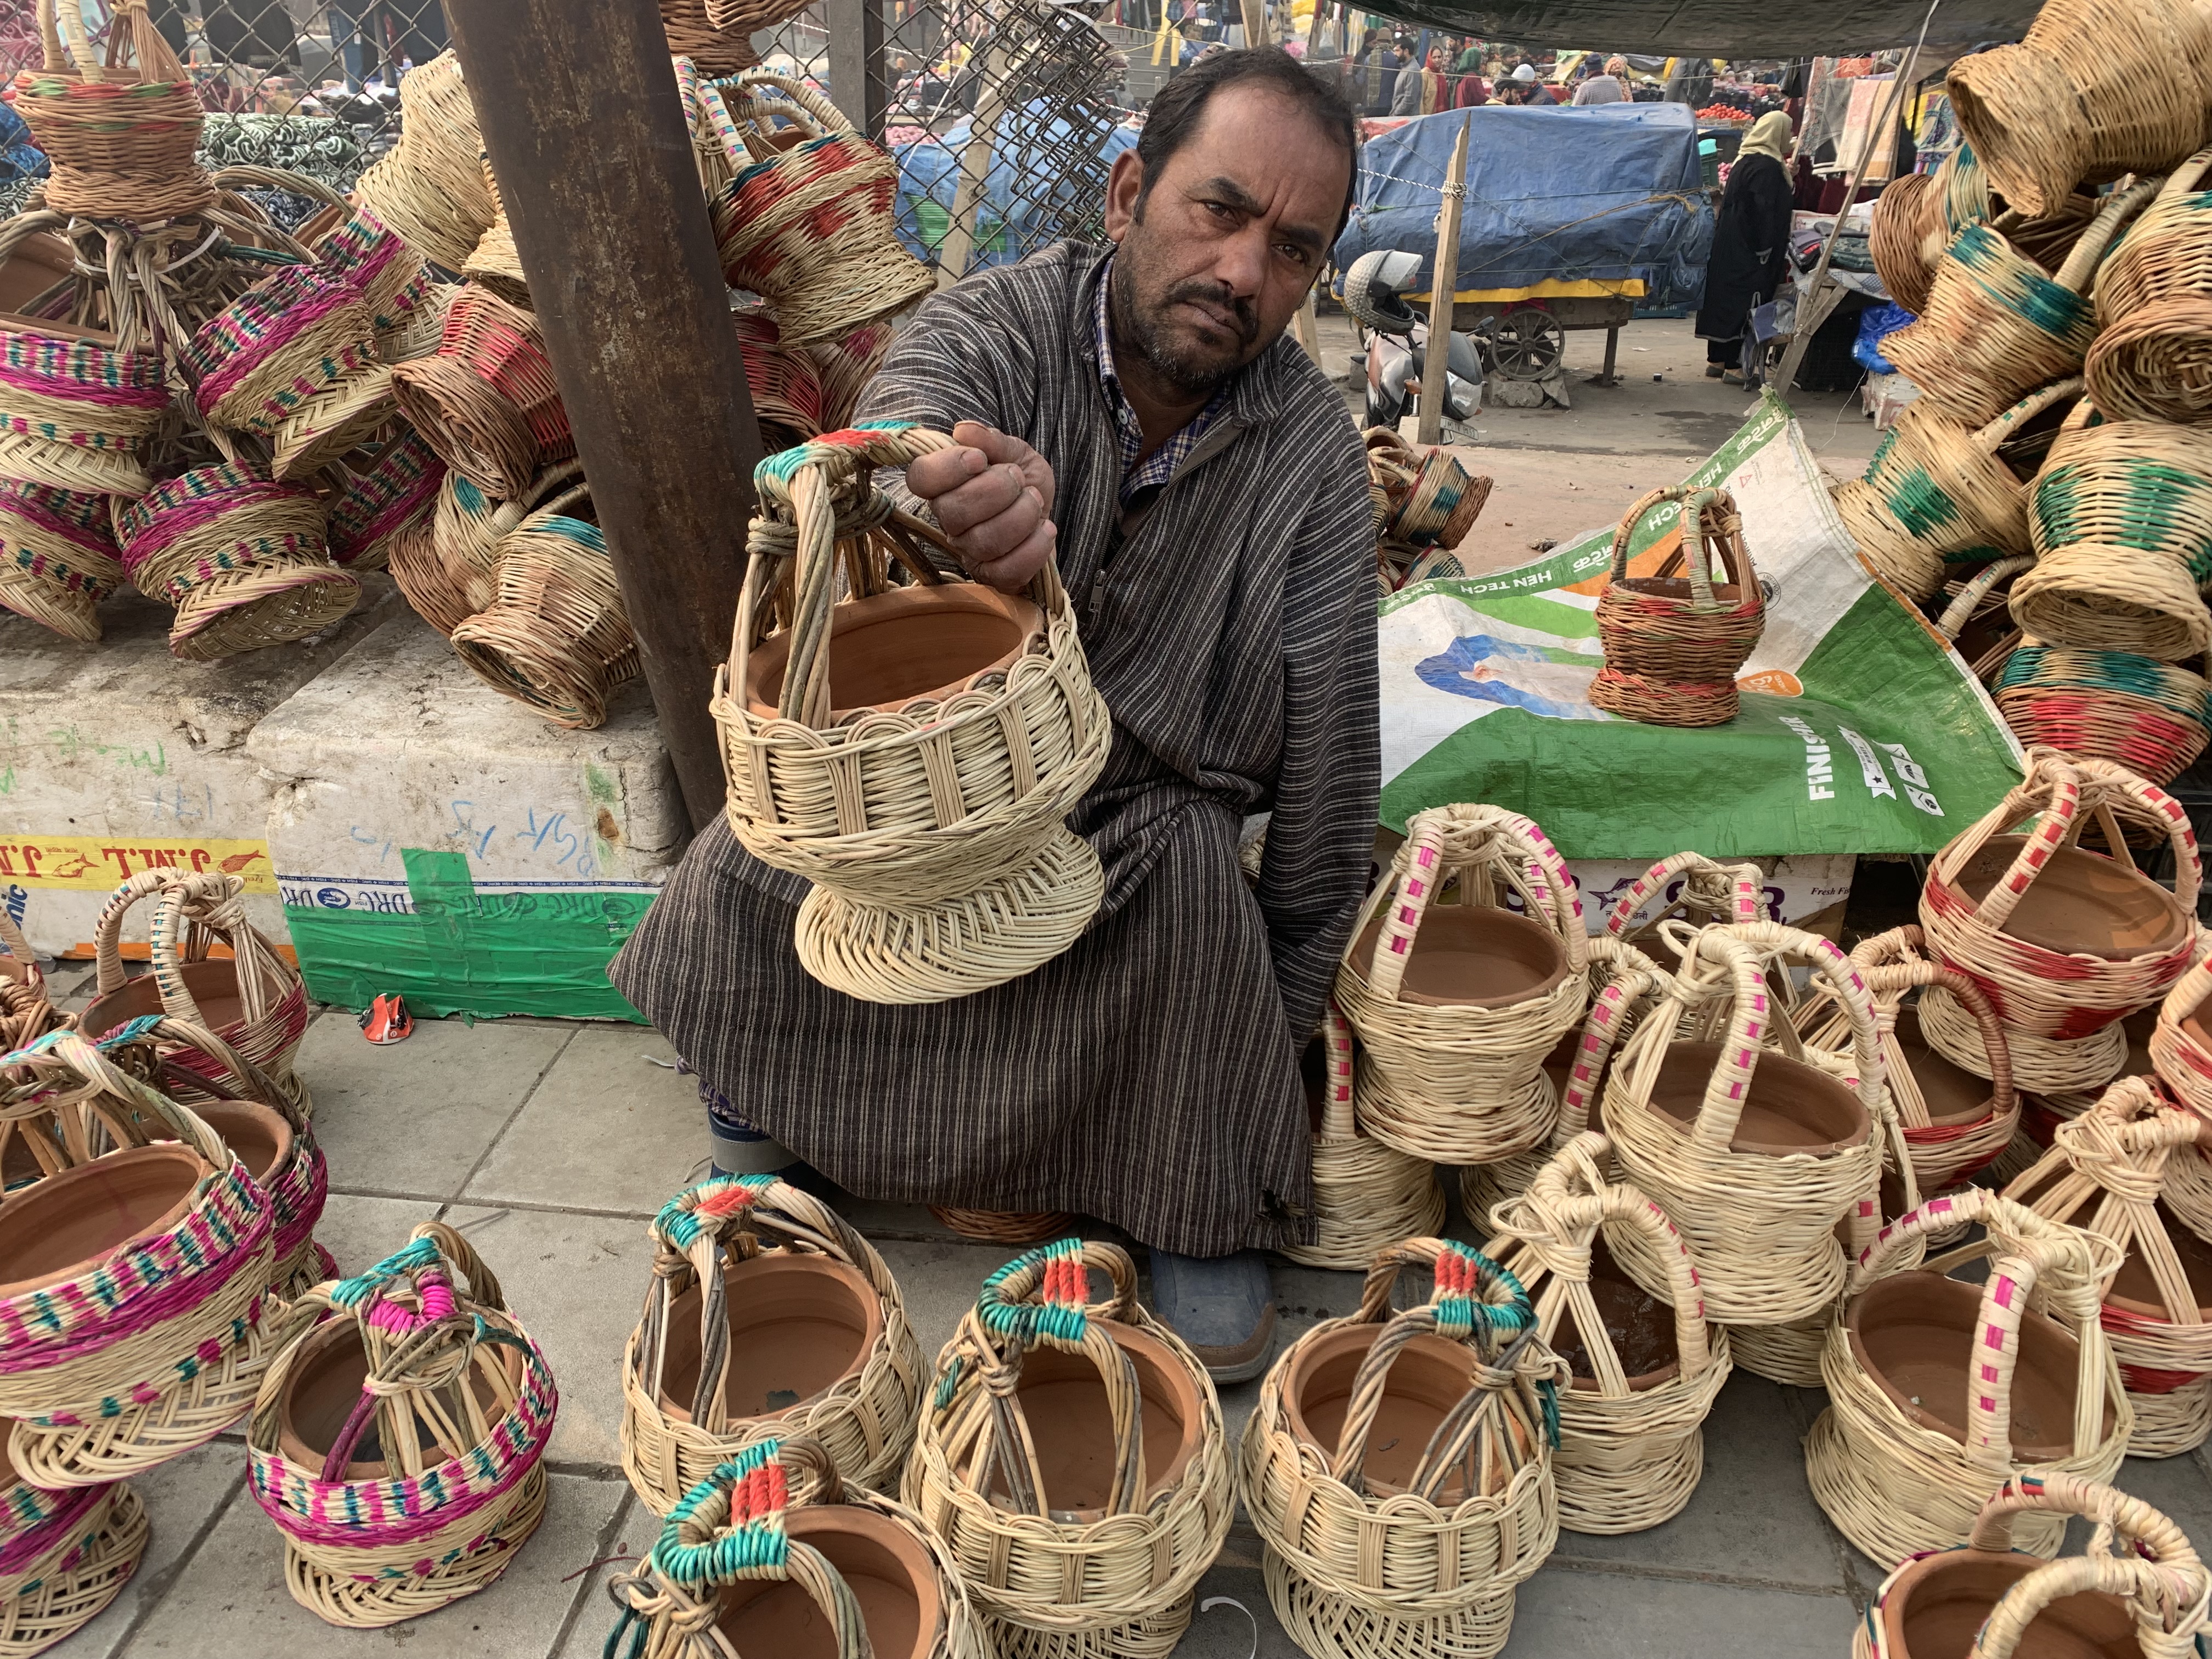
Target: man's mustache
<point x="1217" y="294"/>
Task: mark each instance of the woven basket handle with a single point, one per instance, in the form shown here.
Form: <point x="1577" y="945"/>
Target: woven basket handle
<point x="13" y="944"/>
<point x="483" y="1286"/>
<point x="2156" y="804"/>
<point x="72" y="1050"/>
<point x="2056" y="786"/>
<point x="818" y="113"/>
<point x="254" y="1085"/>
<point x="1704" y="875"/>
<point x="2167" y="1602"/>
<point x="156" y="59"/>
<point x="2053" y="1491"/>
<point x="1634" y="517"/>
<point x="107" y="930"/>
<point x="1751" y="1018"/>
<point x="1960" y="611"/>
<point x="2188" y="996"/>
<point x="1893" y="964"/>
<point x="1337" y="1120"/>
<point x="2088" y="252"/>
<point x="54" y="62"/>
<point x="2026" y="410"/>
<point x="1930" y="1216"/>
<point x="1602" y="1027"/>
<point x="180" y="905"/>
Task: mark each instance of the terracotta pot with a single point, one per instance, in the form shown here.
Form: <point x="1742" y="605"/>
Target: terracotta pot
<point x="68" y="1223"/>
<point x="1792" y="1108"/>
<point x="1935" y="1605"/>
<point x="325" y="1385"/>
<point x="11" y="324"/>
<point x="1913" y="1335"/>
<point x="1069" y="1423"/>
<point x="910" y="644"/>
<point x="2134" y="1290"/>
<point x="321" y="223"/>
<point x="1471" y="958"/>
<point x="888" y="1569"/>
<point x="32" y="266"/>
<point x="799" y="1324"/>
<point x="1953" y="1094"/>
<point x="214" y="986"/>
<point x="1640" y="1325"/>
<point x="1428" y="1378"/>
<point x="2081" y="903"/>
<point x="261" y="1137"/>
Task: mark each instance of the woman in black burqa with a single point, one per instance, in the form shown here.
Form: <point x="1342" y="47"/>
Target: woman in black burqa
<point x="1751" y="245"/>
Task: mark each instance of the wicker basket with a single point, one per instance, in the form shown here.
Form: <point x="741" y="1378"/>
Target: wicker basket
<point x="1451" y="1056"/>
<point x="1984" y="916"/>
<point x="1015" y="1228"/>
<point x="691" y="37"/>
<point x="2153" y="360"/>
<point x="557" y="638"/>
<point x="1905" y="216"/>
<point x="26" y="1013"/>
<point x="77" y="410"/>
<point x="2097" y="88"/>
<point x="367" y="1544"/>
<point x="1673" y="646"/>
<point x="1413" y="1549"/>
<point x="152" y="1345"/>
<point x="1707" y="891"/>
<point x="1780" y="1148"/>
<point x="2121" y="518"/>
<point x="63" y="1557"/>
<point x="812" y="1265"/>
<point x="1632" y="1440"/>
<point x="777" y="1514"/>
<point x="2104" y="1173"/>
<point x="278" y="348"/>
<point x="122" y="140"/>
<point x="1935" y="490"/>
<point x="1898" y="1477"/>
<point x="749" y="17"/>
<point x="449" y="570"/>
<point x="486" y="400"/>
<point x="393" y="496"/>
<point x="58" y="555"/>
<point x="430" y="187"/>
<point x="357" y="247"/>
<point x="2153" y="718"/>
<point x="2181" y="1042"/>
<point x="242" y="557"/>
<point x="1367" y="1196"/>
<point x="928" y="811"/>
<point x="786" y="384"/>
<point x="1103" y="1569"/>
<point x="2154" y="1583"/>
<point x="256" y="1000"/>
<point x="809" y="228"/>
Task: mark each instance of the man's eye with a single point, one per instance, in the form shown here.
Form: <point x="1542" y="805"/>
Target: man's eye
<point x="1219" y="210"/>
<point x="1292" y="252"/>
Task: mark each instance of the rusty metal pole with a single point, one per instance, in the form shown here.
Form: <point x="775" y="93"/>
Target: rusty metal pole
<point x="586" y="132"/>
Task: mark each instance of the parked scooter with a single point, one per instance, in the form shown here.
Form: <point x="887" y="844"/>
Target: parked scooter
<point x="1396" y="340"/>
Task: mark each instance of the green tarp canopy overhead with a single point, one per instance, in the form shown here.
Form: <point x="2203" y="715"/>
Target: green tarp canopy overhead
<point x="1723" y="28"/>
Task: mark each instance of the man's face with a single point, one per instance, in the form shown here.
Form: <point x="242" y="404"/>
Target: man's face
<point x="1229" y="237"/>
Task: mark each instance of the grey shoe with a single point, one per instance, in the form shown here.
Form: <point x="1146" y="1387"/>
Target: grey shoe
<point x="1223" y="1306"/>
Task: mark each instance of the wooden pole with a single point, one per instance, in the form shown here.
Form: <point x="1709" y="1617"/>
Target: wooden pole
<point x="856" y="61"/>
<point x="1436" y="371"/>
<point x="585" y="134"/>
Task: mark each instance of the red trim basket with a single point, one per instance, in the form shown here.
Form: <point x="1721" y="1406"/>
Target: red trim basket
<point x="58" y="555"/>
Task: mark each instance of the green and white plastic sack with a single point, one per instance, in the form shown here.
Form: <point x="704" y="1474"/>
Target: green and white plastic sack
<point x="1873" y="738"/>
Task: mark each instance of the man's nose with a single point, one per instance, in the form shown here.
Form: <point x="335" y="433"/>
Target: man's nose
<point x="1240" y="261"/>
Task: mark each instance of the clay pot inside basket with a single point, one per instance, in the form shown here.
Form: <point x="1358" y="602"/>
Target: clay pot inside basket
<point x="325" y="1386"/>
<point x="910" y="644"/>
<point x="799" y="1324"/>
<point x="1935" y="1606"/>
<point x="12" y="324"/>
<point x="2081" y="903"/>
<point x="1792" y="1107"/>
<point x="214" y="986"/>
<point x="1641" y="1327"/>
<point x="32" y="266"/>
<point x="2134" y="1290"/>
<point x="1914" y="1335"/>
<point x="888" y="1569"/>
<point x="63" y="1226"/>
<point x="1428" y="1378"/>
<point x="261" y="1137"/>
<point x="1064" y="1403"/>
<point x="1953" y="1094"/>
<point x="1468" y="956"/>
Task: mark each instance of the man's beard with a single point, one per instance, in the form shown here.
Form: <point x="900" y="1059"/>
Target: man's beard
<point x="1168" y="356"/>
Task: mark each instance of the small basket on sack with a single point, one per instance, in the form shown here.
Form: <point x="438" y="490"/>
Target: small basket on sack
<point x="122" y="140"/>
<point x="2063" y="942"/>
<point x="809" y="227"/>
<point x="2106" y="1172"/>
<point x="58" y="555"/>
<point x="1407" y="1541"/>
<point x="1632" y="1412"/>
<point x="2153" y="718"/>
<point x="430" y="187"/>
<point x="1100" y="1557"/>
<point x="2152" y="358"/>
<point x="1754" y="1147"/>
<point x="399" y="1437"/>
<point x="242" y="558"/>
<point x="253" y="999"/>
<point x="78" y="410"/>
<point x="1366" y="1196"/>
<point x="64" y="1556"/>
<point x="135" y="1288"/>
<point x="1672" y="644"/>
<point x="1996" y="325"/>
<point x="2096" y="88"/>
<point x="1456" y="1006"/>
<point x="770" y="1548"/>
<point x="449" y="568"/>
<point x="558" y="638"/>
<point x="2121" y="518"/>
<point x="1935" y="490"/>
<point x="1940" y="1390"/>
<point x="912" y="750"/>
<point x="390" y="498"/>
<point x="486" y="400"/>
<point x="2018" y="1603"/>
<point x="768" y="1314"/>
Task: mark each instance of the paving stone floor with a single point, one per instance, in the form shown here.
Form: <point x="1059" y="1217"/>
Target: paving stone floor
<point x="552" y="1144"/>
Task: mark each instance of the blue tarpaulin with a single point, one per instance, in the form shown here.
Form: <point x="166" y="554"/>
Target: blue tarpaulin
<point x="1605" y="193"/>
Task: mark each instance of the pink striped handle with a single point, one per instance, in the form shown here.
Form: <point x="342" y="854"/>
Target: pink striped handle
<point x="1461" y="840"/>
<point x="1707" y="880"/>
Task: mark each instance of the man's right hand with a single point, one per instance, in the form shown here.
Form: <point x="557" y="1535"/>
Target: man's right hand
<point x="993" y="497"/>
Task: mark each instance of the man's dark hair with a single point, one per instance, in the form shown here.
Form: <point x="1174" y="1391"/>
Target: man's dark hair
<point x="1179" y="106"/>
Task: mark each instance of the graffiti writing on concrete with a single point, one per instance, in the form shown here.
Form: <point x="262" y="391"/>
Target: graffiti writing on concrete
<point x="545" y="832"/>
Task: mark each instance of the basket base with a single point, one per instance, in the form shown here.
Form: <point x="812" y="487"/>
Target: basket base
<point x="371" y="1602"/>
<point x="1331" y="1627"/>
<point x="64" y="1603"/>
<point x="1144" y="1638"/>
<point x="1002" y="1226"/>
<point x="2171" y="1423"/>
<point x="1603" y="1503"/>
<point x="1367" y="1196"/>
<point x="934" y="952"/>
<point x="1882" y="1528"/>
<point x="1788" y="1354"/>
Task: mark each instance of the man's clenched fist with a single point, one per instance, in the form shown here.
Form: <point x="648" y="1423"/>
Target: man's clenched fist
<point x="993" y="496"/>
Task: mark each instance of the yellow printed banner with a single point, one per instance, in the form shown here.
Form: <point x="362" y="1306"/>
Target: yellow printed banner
<point x="98" y="863"/>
